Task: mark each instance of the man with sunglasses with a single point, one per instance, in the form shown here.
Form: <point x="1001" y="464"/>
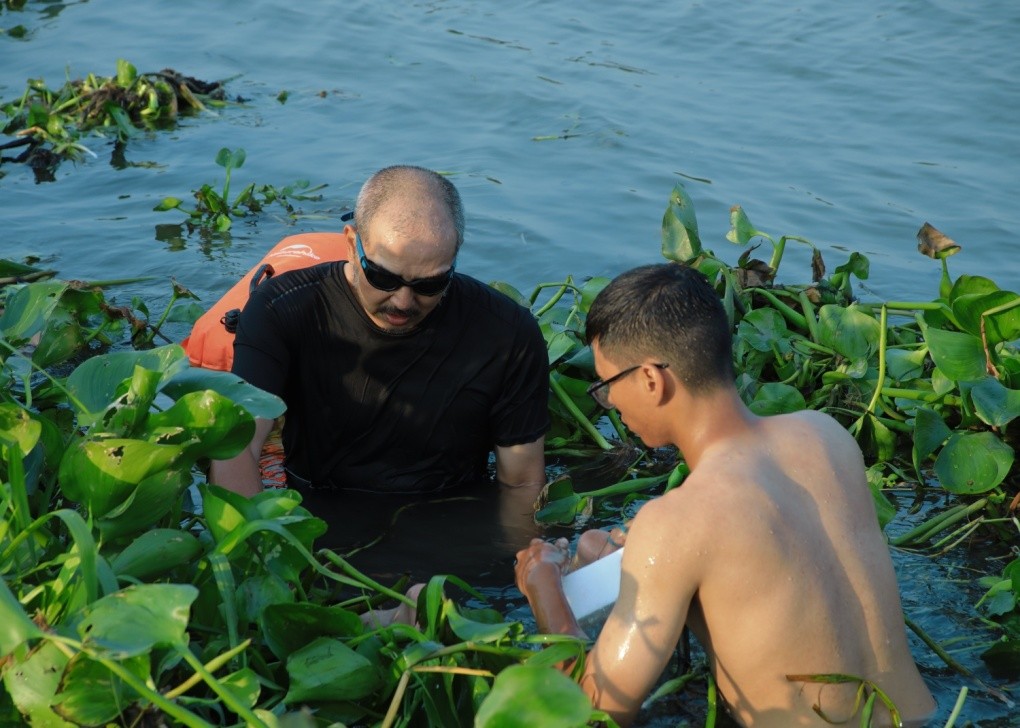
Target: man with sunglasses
<point x="400" y="375"/>
<point x="770" y="551"/>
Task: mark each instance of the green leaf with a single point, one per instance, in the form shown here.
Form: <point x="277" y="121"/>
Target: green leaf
<point x="225" y="511"/>
<point x="999" y="327"/>
<point x="288" y="628"/>
<point x="848" y="331"/>
<point x="876" y="440"/>
<point x="884" y="509"/>
<point x="775" y="398"/>
<point x="680" y="240"/>
<point x="929" y="434"/>
<point x="592" y="288"/>
<point x="17" y="426"/>
<point x="560" y="344"/>
<point x="762" y="328"/>
<point x="973" y="462"/>
<point x="245" y="686"/>
<point x="512" y="293"/>
<point x="327" y="669"/>
<point x="155" y="553"/>
<point x="168" y="203"/>
<point x="125" y="129"/>
<point x="153" y="498"/>
<point x="95" y="384"/>
<point x="470" y="630"/>
<point x="138" y="618"/>
<point x="206" y="424"/>
<point x="857" y="264"/>
<point x="28" y="308"/>
<point x="15" y="626"/>
<point x="223" y="157"/>
<point x="257" y="402"/>
<point x="1003" y="658"/>
<point x="903" y="365"/>
<point x="994" y="403"/>
<point x="968" y="285"/>
<point x="102" y="474"/>
<point x="958" y="355"/>
<point x="129" y="412"/>
<point x="61" y="338"/>
<point x="92" y="695"/>
<point x="741" y="230"/>
<point x="257" y="592"/>
<point x="33" y="683"/>
<point x="126" y="73"/>
<point x="553" y="700"/>
<point x="563" y="510"/>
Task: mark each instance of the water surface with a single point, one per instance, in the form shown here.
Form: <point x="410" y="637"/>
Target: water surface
<point x="565" y="127"/>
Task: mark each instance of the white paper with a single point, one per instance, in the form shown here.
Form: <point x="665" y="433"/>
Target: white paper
<point x="593" y="587"/>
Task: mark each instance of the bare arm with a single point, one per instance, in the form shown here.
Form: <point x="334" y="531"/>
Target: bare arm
<point x="539" y="571"/>
<point x="521" y="465"/>
<point x="241" y="473"/>
<point x="520" y="474"/>
<point x="660" y="575"/>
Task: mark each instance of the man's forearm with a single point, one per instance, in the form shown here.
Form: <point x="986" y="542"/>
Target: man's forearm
<point x="549" y="604"/>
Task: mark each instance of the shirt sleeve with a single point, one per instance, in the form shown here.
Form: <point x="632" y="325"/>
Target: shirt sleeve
<point x="261" y="349"/>
<point x="521" y="414"/>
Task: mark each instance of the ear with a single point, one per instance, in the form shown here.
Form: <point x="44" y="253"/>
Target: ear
<point x="656" y="383"/>
<point x="350" y="245"/>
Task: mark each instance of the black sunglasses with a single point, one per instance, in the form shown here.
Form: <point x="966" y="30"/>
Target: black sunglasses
<point x="599" y="390"/>
<point x="384" y="280"/>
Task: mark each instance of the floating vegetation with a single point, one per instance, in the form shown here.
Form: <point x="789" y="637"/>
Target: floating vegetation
<point x="214" y="208"/>
<point x="121" y="599"/>
<point x="51" y="125"/>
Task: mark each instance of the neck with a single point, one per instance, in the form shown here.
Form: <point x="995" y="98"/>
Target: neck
<point x="699" y="422"/>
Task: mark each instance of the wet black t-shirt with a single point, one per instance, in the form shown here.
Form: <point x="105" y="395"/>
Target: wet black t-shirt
<point x="416" y="412"/>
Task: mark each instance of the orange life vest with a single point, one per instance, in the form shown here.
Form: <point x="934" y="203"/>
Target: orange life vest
<point x="211" y="344"/>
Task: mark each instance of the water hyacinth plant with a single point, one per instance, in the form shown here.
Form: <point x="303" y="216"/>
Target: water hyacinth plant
<point x="133" y="592"/>
<point x="51" y="125"/>
<point x="214" y="208"/>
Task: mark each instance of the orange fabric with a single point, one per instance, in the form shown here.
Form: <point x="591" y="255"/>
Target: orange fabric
<point x="210" y="345"/>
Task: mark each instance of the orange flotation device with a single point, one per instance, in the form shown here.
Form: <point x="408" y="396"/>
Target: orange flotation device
<point x="211" y="342"/>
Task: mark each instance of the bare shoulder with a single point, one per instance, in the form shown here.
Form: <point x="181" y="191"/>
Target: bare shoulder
<point x="688" y="510"/>
<point x="813" y="420"/>
<point x="806" y="426"/>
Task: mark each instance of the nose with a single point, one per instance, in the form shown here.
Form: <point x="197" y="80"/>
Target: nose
<point x="403" y="297"/>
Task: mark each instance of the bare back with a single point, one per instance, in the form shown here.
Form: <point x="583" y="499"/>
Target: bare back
<point x="774" y="544"/>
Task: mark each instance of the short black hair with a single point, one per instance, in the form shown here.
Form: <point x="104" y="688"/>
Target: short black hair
<point x="668" y="312"/>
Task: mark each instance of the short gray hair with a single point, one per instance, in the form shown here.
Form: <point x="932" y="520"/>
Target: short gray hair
<point x="405" y="179"/>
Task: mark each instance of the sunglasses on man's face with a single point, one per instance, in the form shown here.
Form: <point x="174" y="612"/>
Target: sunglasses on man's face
<point x="384" y="280"/>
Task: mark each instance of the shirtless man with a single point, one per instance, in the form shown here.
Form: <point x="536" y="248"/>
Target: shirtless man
<point x="770" y="551"/>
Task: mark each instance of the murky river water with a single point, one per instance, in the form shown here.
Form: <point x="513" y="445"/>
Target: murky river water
<point x="565" y="127"/>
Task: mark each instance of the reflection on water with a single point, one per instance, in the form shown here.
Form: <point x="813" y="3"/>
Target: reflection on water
<point x="459" y="533"/>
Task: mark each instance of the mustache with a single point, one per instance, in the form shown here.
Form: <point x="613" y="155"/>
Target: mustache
<point x="411" y="312"/>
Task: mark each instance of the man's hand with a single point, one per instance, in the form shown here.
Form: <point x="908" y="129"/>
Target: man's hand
<point x="594" y="544"/>
<point x="538" y="573"/>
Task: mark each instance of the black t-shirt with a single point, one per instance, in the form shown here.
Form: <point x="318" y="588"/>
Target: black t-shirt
<point x="415" y="412"/>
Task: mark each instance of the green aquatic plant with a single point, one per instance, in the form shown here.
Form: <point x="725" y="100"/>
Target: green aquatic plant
<point x="131" y="590"/>
<point x="214" y="208"/>
<point x="929" y="388"/>
<point x="52" y="125"/>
